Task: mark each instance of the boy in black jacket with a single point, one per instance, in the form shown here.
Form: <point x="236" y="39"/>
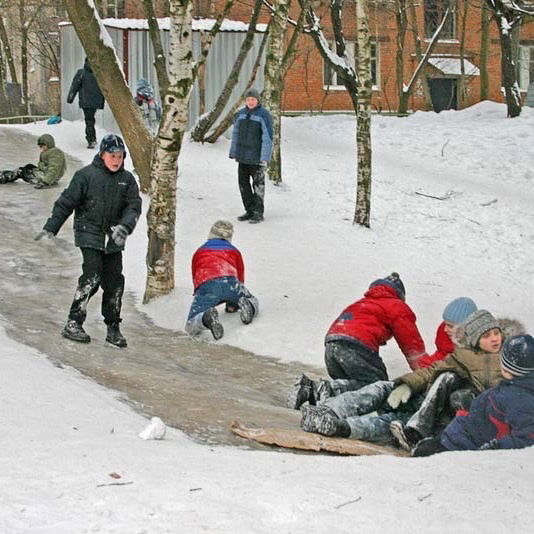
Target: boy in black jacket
<point x="106" y="204"/>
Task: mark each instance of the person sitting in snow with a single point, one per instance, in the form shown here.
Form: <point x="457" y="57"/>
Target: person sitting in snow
<point x="50" y="168"/>
<point x="353" y="340"/>
<point x="501" y="417"/>
<point x="357" y="408"/>
<point x="472" y="369"/>
<point x="219" y="276"/>
<point x="106" y="203"/>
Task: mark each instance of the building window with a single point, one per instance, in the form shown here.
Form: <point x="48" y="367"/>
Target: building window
<point x="114" y="9"/>
<point x="525" y="66"/>
<point x="434" y="12"/>
<point x="333" y="80"/>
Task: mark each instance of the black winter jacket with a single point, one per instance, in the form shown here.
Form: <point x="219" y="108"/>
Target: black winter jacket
<point x="100" y="199"/>
<point x="84" y="83"/>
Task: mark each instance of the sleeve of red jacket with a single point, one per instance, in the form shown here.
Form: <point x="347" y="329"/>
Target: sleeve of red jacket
<point x="409" y="339"/>
<point x="444" y="346"/>
<point x="240" y="267"/>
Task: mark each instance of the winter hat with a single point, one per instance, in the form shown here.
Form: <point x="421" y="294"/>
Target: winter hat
<point x="517" y="355"/>
<point x="458" y="310"/>
<point x="222" y="230"/>
<point x="111" y="143"/>
<point x="478" y="323"/>
<point x="394" y="281"/>
<point x="253" y="93"/>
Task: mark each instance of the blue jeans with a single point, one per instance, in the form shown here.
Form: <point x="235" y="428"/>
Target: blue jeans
<point x="226" y="289"/>
<point x="367" y="412"/>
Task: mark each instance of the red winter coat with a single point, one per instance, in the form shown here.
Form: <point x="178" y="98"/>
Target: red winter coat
<point x="444" y="346"/>
<point x="378" y="317"/>
<point x="214" y="259"/>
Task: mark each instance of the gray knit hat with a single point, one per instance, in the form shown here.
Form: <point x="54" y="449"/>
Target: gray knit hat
<point x="222" y="230"/>
<point x="458" y="310"/>
<point x="254" y="93"/>
<point x="517" y="355"/>
<point x="478" y="323"/>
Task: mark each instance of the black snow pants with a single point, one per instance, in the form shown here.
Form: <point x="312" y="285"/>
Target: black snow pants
<point x="352" y="366"/>
<point x="90" y="132"/>
<point x="99" y="269"/>
<point x="253" y="194"/>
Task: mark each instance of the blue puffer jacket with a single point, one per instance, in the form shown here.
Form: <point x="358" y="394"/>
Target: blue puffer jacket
<point x="504" y="413"/>
<point x="252" y="138"/>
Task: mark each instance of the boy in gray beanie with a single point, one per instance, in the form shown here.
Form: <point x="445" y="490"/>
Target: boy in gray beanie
<point x="219" y="277"/>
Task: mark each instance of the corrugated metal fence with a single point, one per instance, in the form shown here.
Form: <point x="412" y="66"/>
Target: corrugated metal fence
<point x="223" y="52"/>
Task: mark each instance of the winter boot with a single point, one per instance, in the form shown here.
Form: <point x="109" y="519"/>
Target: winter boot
<point x="303" y="391"/>
<point x="323" y="390"/>
<point x="323" y="420"/>
<point x="255" y="219"/>
<point x="245" y="217"/>
<point x="210" y="320"/>
<point x="406" y="436"/>
<point x="115" y="337"/>
<point x="246" y="310"/>
<point x="91" y="144"/>
<point x="75" y="332"/>
<point x="427" y="447"/>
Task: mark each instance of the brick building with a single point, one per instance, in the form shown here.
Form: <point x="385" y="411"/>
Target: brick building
<point x="310" y="85"/>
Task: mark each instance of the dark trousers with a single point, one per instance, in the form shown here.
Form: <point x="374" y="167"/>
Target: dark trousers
<point x="99" y="269"/>
<point x="90" y="133"/>
<point x="252" y="194"/>
<point x="352" y="366"/>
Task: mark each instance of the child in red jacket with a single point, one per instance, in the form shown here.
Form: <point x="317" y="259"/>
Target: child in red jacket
<point x="353" y="340"/>
<point x="219" y="276"/>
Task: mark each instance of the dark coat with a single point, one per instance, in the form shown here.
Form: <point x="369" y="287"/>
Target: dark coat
<point x="375" y="319"/>
<point x="100" y="199"/>
<point x="89" y="94"/>
<point x="252" y="137"/>
<point x="504" y="413"/>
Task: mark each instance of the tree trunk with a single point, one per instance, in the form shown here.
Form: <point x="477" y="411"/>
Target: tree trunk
<point x="402" y="22"/>
<point x="8" y="54"/>
<point x="419" y="54"/>
<point x="485" y="16"/>
<point x="161" y="215"/>
<point x="509" y="79"/>
<point x="362" y="212"/>
<point x="159" y="55"/>
<point x="99" y="49"/>
<point x="272" y="92"/>
<point x="208" y="120"/>
<point x="462" y="83"/>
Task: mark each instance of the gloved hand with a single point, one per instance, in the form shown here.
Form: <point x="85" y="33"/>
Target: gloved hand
<point x="119" y="234"/>
<point x="43" y="233"/>
<point x="400" y="395"/>
<point x="491" y="444"/>
<point x="263" y="164"/>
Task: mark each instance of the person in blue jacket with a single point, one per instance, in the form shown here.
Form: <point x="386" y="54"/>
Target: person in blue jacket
<point x="499" y="418"/>
<point x="252" y="146"/>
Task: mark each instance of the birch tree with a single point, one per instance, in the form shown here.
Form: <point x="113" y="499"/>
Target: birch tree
<point x="99" y="48"/>
<point x="273" y="75"/>
<point x="161" y="215"/>
<point x="363" y="116"/>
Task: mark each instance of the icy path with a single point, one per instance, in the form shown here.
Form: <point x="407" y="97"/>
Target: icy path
<point x="196" y="387"/>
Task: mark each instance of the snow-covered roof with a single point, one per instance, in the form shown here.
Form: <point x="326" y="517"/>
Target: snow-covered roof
<point x="165" y="24"/>
<point x="453" y="66"/>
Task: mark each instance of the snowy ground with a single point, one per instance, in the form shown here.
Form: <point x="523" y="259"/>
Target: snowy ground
<point x="63" y="435"/>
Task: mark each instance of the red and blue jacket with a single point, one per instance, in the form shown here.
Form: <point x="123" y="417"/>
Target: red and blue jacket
<point x="375" y="319"/>
<point x="504" y="413"/>
<point x="214" y="259"/>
